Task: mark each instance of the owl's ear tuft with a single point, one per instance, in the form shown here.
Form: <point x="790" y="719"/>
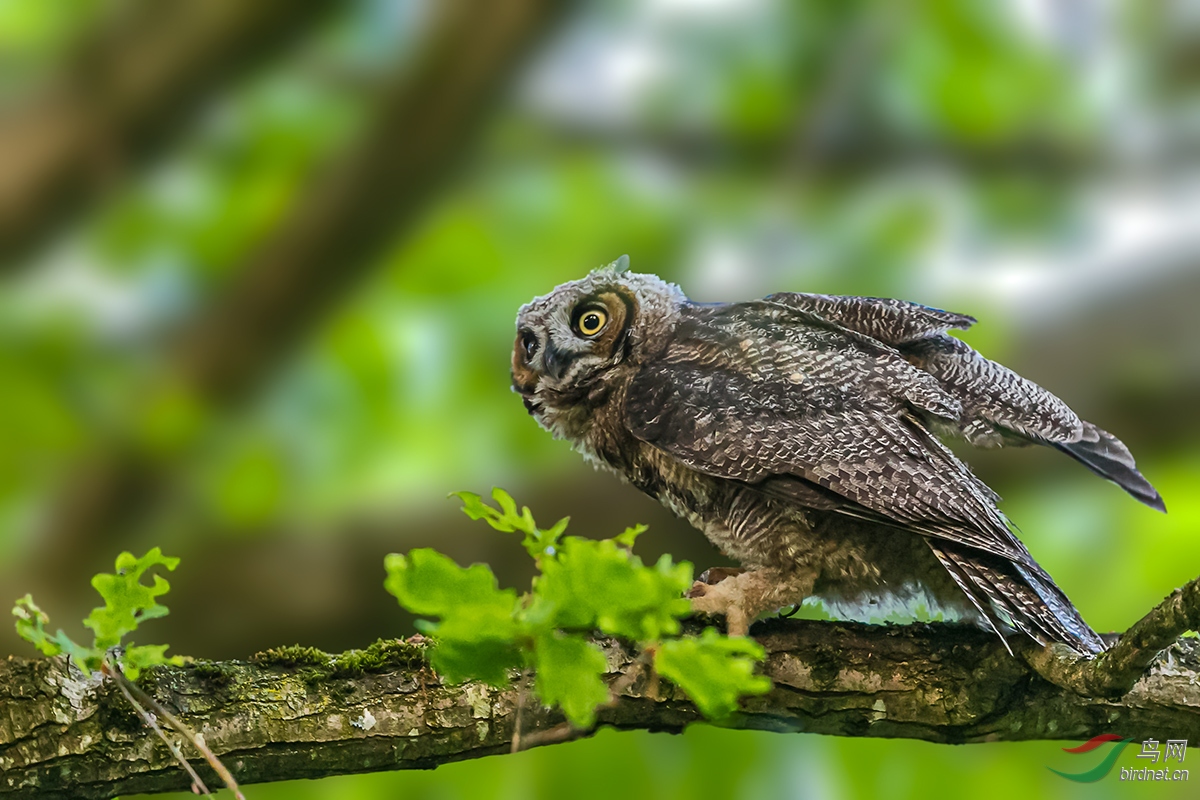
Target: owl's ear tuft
<point x="613" y="267"/>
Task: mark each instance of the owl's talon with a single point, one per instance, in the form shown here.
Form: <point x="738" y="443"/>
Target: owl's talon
<point x="714" y="575"/>
<point x="718" y="601"/>
<point x="741" y="598"/>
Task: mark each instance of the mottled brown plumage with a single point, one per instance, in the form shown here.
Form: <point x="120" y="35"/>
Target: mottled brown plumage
<point x="798" y="433"/>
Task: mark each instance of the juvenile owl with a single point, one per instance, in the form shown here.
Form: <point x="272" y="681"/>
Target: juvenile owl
<point x="799" y="433"/>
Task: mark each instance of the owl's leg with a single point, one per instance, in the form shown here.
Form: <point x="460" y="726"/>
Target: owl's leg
<point x="741" y="598"/>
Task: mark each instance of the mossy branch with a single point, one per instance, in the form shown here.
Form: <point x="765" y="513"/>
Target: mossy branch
<point x="299" y="713"/>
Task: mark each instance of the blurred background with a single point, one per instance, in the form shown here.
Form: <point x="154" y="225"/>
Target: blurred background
<point x="259" y="265"/>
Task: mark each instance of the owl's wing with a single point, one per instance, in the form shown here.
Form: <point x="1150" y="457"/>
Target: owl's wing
<point x="893" y="322"/>
<point x="766" y="394"/>
<point x="999" y="402"/>
<point x="991" y="393"/>
<point x="999" y="406"/>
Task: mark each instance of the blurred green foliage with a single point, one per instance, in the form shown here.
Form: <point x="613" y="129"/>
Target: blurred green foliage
<point x="991" y="158"/>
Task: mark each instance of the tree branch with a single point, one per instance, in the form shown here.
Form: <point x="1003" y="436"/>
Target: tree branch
<point x="299" y="713"/>
<point x="125" y="94"/>
<point x="1114" y="672"/>
<point x="856" y="155"/>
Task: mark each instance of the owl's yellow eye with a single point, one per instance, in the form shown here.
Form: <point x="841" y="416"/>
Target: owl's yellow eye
<point x="591" y="321"/>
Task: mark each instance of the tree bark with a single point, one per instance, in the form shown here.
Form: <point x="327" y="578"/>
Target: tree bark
<point x="298" y="713"/>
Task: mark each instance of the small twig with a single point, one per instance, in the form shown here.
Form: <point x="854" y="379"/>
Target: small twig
<point x="197" y="783"/>
<point x="522" y="696"/>
<point x="184" y="730"/>
<point x="566" y="732"/>
<point x="563" y="732"/>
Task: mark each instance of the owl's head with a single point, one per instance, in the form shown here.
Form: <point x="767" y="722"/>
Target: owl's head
<point x="570" y="340"/>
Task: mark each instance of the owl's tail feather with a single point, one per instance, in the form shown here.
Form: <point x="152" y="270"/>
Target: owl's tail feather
<point x="967" y="584"/>
<point x="1108" y="457"/>
<point x="1017" y="596"/>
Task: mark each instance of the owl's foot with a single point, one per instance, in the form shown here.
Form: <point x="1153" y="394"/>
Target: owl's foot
<point x="742" y="597"/>
<point x="711" y="577"/>
<point x="712" y="600"/>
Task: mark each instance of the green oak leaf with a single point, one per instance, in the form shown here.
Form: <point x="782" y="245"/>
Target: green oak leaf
<point x="537" y="542"/>
<point x="599" y="584"/>
<point x="478" y="635"/>
<point x="128" y="601"/>
<point x="483" y="646"/>
<point x="570" y="673"/>
<point x="627" y="537"/>
<point x="482" y="632"/>
<point x="31" y="626"/>
<point x="427" y="582"/>
<point x="139" y="657"/>
<point x="713" y="670"/>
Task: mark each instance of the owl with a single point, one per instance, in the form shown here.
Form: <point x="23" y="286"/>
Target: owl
<point x="802" y="434"/>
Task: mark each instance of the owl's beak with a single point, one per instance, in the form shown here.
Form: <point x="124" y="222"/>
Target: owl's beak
<point x="555" y="362"/>
<point x="528" y="372"/>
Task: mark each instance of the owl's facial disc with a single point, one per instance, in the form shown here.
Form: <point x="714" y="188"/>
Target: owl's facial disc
<point x="560" y="350"/>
